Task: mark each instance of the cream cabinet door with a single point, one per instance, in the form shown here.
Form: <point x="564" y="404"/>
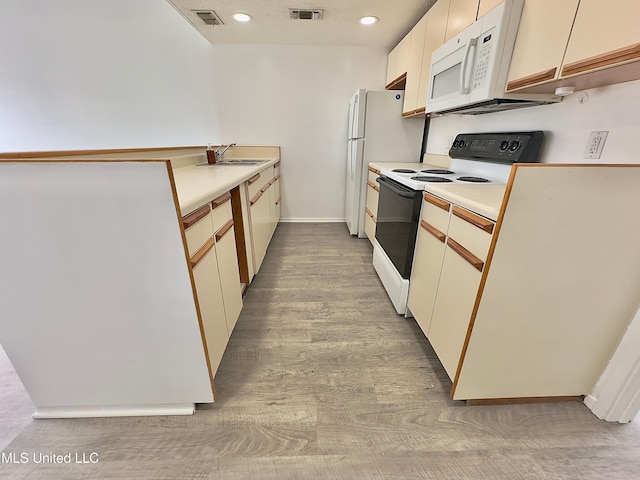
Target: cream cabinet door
<point x="404" y="53"/>
<point x="462" y="13"/>
<point x="541" y="42"/>
<point x="260" y="212"/>
<point x="434" y="37"/>
<point x="414" y="67"/>
<point x="371" y="209"/>
<point x="392" y="64"/>
<point x="209" y="292"/>
<point x="608" y="31"/>
<point x="227" y="257"/>
<point x="486" y="5"/>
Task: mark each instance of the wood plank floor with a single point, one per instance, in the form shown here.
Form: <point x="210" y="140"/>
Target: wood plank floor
<point x="323" y="380"/>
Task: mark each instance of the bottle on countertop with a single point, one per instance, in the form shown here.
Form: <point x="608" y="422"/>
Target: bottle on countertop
<point x="211" y="155"/>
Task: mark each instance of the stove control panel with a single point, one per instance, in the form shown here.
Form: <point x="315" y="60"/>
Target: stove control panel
<point x="506" y="147"/>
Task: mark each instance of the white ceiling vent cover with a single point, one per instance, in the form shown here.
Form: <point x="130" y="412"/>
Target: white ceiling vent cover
<point x="301" y="14"/>
<point x="209" y="17"/>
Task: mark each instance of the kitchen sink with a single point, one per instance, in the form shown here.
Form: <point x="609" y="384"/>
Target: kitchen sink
<point x="237" y="161"/>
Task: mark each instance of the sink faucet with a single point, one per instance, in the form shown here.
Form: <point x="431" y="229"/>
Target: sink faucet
<point x="220" y="154"/>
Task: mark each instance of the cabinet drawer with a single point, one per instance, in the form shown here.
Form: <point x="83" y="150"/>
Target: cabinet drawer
<point x="221" y="211"/>
<point x="372" y="200"/>
<point x="370" y="227"/>
<point x="255" y="183"/>
<point x="469" y="235"/>
<point x="435" y="212"/>
<point x="372" y="178"/>
<point x="198" y="228"/>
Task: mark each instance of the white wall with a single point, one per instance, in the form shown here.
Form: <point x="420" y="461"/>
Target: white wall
<point x="566" y="125"/>
<point x="296" y="97"/>
<point x="79" y="74"/>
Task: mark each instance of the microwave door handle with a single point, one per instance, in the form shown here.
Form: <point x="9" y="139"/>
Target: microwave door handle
<point x="465" y="63"/>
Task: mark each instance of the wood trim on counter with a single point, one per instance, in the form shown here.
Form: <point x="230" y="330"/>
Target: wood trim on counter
<point x="374" y="170"/>
<point x="397" y="84"/>
<point x="465" y="254"/>
<point x="624" y="54"/>
<point x="433" y="231"/>
<point x="256" y="197"/>
<point x="529" y="80"/>
<point x="199" y="255"/>
<point x="222" y="199"/>
<point x="73" y="153"/>
<point x="224" y="230"/>
<point x="253" y="179"/>
<point x="195" y="216"/>
<point x="370" y="213"/>
<point x="475" y="220"/>
<point x="438" y="202"/>
<point x="373" y="185"/>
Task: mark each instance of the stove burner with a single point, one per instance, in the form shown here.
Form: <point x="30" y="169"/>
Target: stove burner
<point x="473" y="179"/>
<point x="437" y="171"/>
<point x="432" y="179"/>
<point x="403" y="170"/>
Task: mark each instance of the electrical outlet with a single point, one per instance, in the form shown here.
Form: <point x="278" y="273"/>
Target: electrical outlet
<point x="595" y="144"/>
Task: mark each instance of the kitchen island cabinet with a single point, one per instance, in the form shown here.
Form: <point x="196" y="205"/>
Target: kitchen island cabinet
<point x="126" y="306"/>
<point x="549" y="301"/>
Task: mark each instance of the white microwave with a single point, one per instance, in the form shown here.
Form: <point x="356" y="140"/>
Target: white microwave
<point x="469" y="72"/>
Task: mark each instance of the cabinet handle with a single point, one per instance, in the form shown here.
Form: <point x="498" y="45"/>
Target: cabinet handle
<point x="475" y="220"/>
<point x="278" y="201"/>
<point x="433" y="231"/>
<point x="373" y="185"/>
<point x="466" y="254"/>
<point x="222" y="232"/>
<point x="368" y="212"/>
<point x="532" y="79"/>
<point x="220" y="200"/>
<point x="256" y="197"/>
<point x="374" y="170"/>
<point x="624" y="54"/>
<point x="195" y="216"/>
<point x="199" y="255"/>
<point x="277" y="164"/>
<point x="253" y="179"/>
<point x="438" y="202"/>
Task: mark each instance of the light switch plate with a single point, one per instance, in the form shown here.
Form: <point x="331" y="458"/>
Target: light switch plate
<point x="596" y="144"/>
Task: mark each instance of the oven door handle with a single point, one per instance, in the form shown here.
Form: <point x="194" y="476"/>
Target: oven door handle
<point x="396" y="187"/>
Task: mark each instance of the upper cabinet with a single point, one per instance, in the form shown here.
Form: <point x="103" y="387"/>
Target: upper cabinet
<point x="414" y="67"/>
<point x="583" y="44"/>
<point x="398" y="64"/>
<point x="462" y="13"/>
<point x="486" y="5"/>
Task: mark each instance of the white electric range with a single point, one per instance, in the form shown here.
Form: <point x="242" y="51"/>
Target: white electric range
<point x="479" y="161"/>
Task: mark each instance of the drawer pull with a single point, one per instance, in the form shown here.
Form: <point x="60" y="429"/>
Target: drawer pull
<point x="195" y="216"/>
<point x="277" y="164"/>
<point x="374" y="170"/>
<point x="277" y="178"/>
<point x="373" y="185"/>
<point x="438" y="202"/>
<point x="256" y="197"/>
<point x="253" y="179"/>
<point x="223" y="231"/>
<point x="475" y="220"/>
<point x="368" y="212"/>
<point x="433" y="231"/>
<point x="466" y="254"/>
<point x="199" y="255"/>
<point x="221" y="200"/>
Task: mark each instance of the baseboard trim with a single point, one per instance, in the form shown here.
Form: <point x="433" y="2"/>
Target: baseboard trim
<point x="114" y="411"/>
<point x="518" y="400"/>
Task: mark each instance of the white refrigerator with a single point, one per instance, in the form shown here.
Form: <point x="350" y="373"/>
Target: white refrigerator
<point x="377" y="133"/>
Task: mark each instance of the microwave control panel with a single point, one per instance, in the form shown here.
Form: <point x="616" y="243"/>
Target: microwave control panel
<point x="485" y="46"/>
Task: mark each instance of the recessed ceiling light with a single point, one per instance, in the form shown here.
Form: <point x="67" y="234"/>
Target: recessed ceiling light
<point x="241" y="17"/>
<point x="368" y="20"/>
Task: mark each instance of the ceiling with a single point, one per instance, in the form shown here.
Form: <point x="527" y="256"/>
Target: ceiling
<point x="339" y="25"/>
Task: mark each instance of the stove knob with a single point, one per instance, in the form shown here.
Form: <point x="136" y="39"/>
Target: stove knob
<point x="462" y="143"/>
<point x="513" y="146"/>
<point x="504" y="145"/>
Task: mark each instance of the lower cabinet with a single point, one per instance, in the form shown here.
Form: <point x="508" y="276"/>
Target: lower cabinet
<point x="264" y="211"/>
<point x="210" y="302"/>
<point x="371" y="209"/>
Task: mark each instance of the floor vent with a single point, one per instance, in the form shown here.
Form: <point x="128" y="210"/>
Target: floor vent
<point x="299" y="14"/>
<point x="209" y="17"/>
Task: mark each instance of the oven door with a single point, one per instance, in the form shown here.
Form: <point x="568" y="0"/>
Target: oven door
<point x="397" y="225"/>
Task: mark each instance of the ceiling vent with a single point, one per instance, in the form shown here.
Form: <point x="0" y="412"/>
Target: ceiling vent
<point x="209" y="17"/>
<point x="300" y="14"/>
